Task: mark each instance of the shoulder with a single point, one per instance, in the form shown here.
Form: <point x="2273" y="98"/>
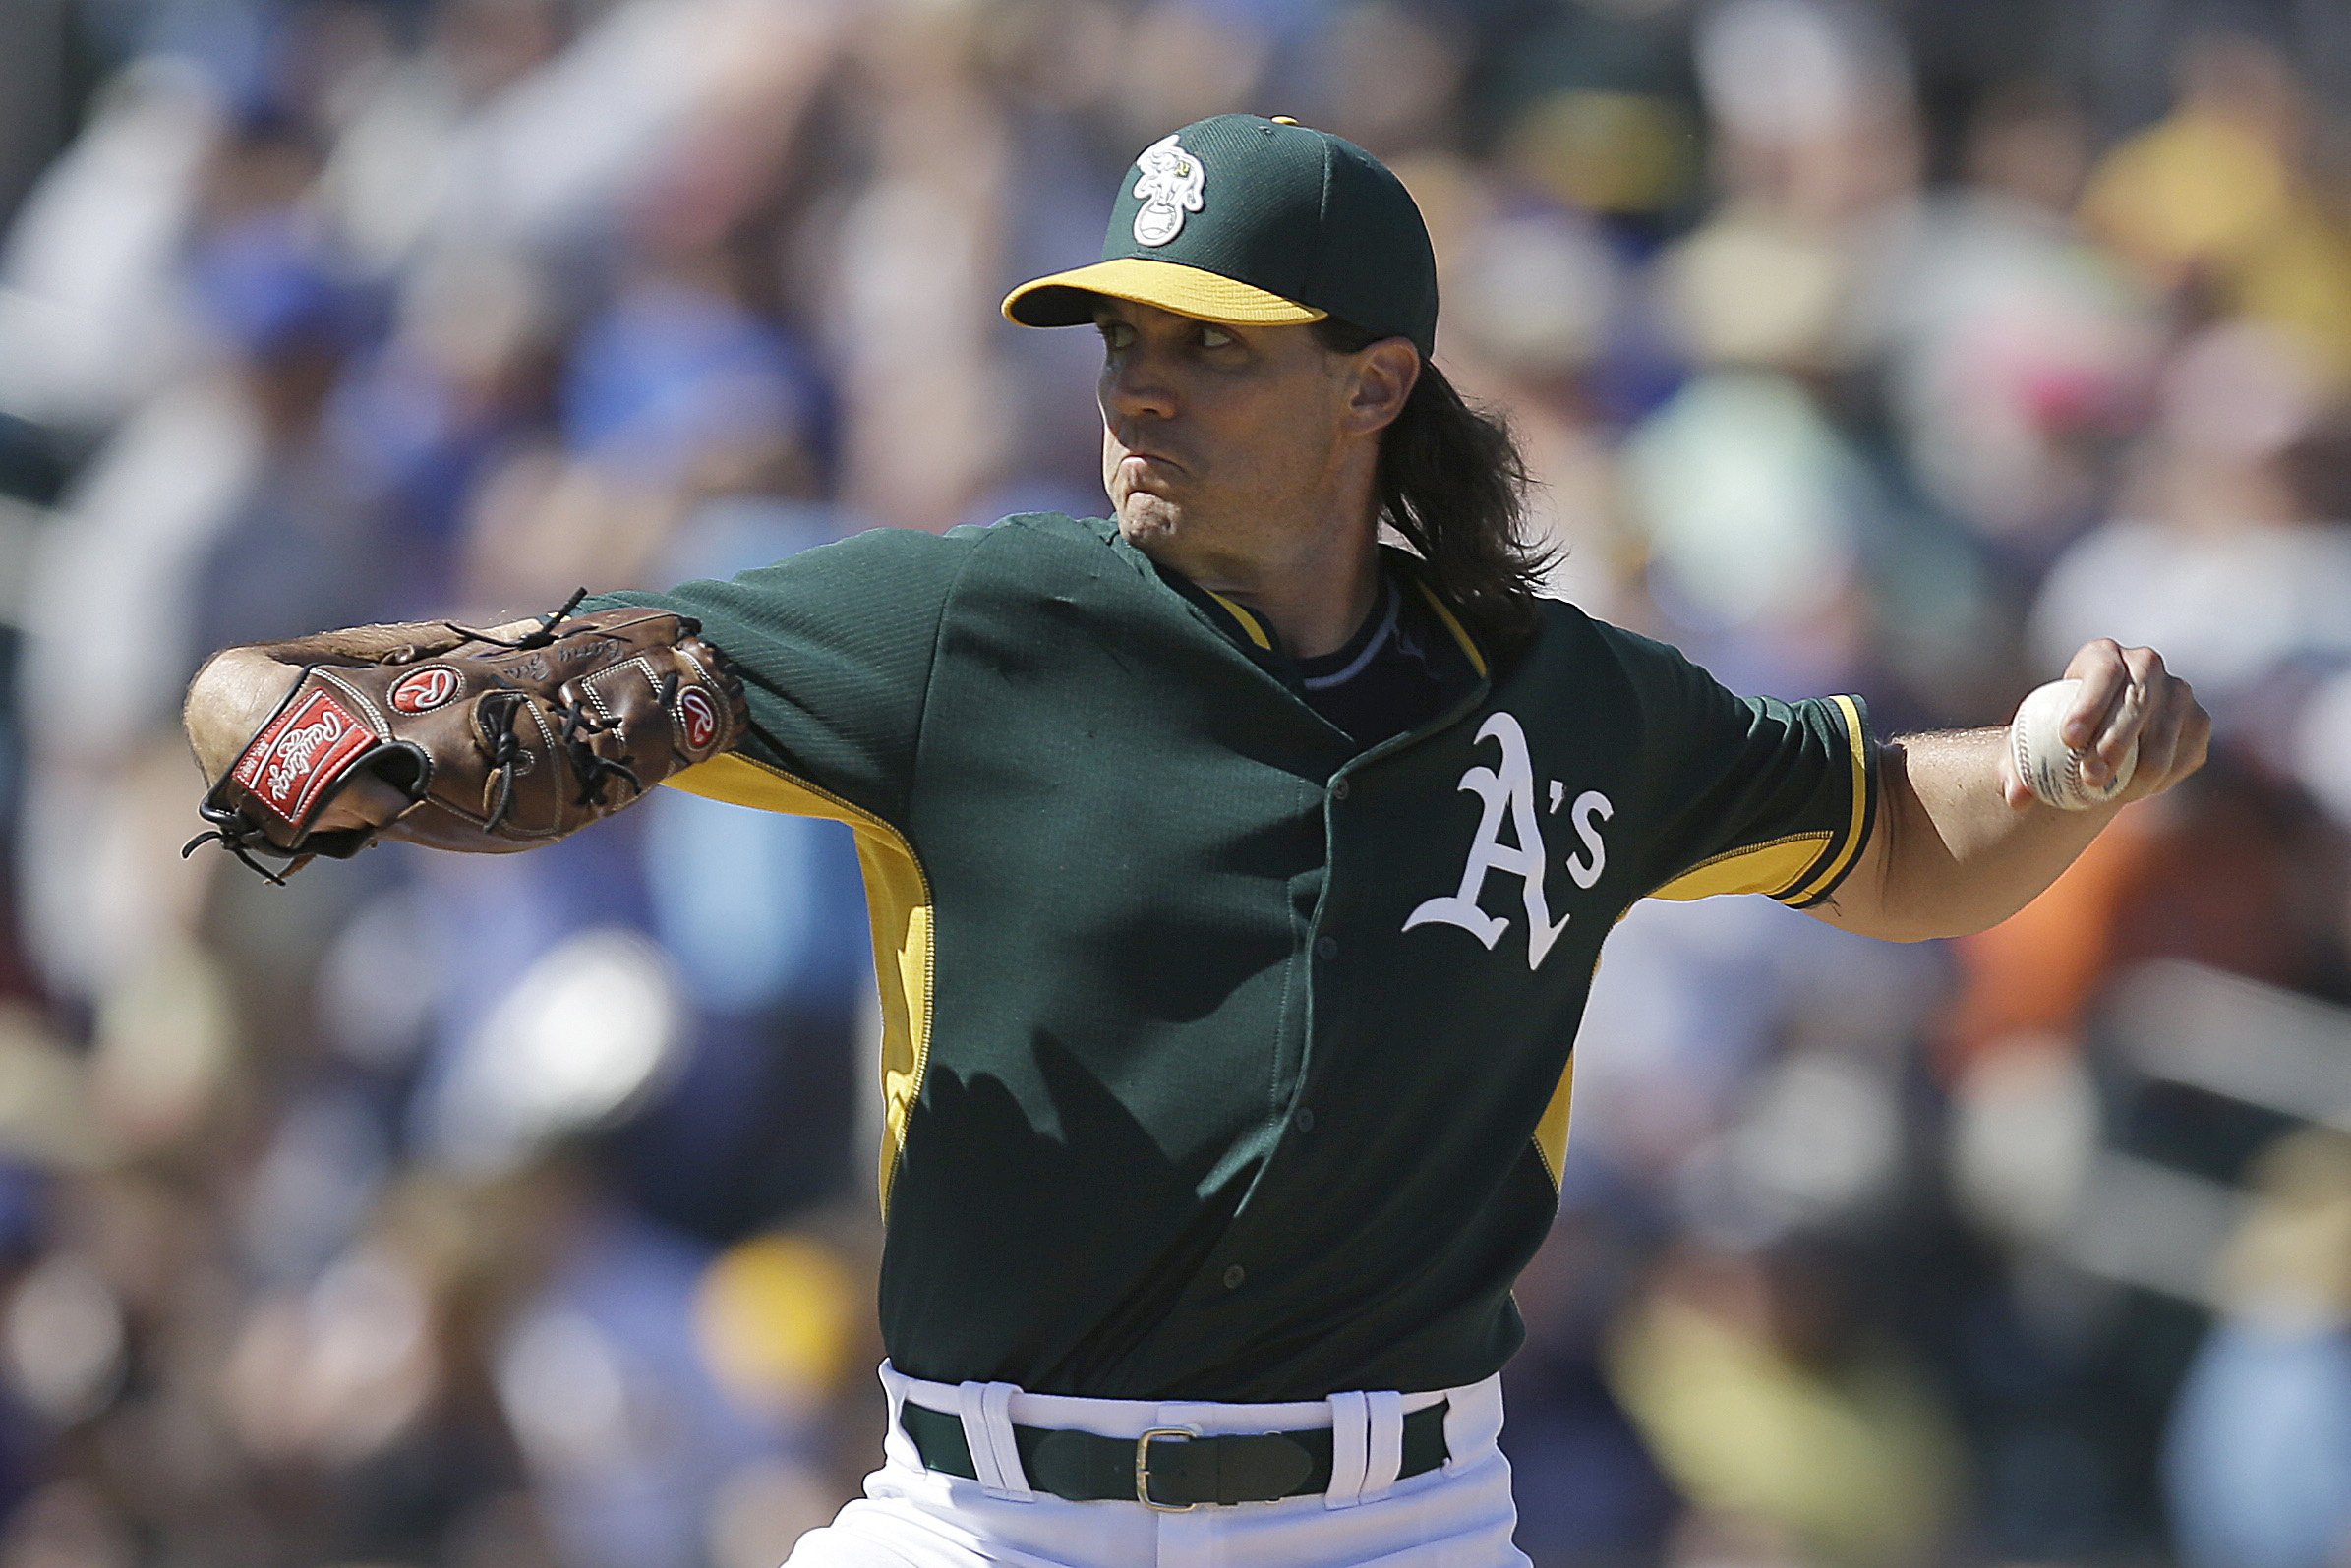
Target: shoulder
<point x="1613" y="674"/>
<point x="1033" y="529"/>
<point x="1032" y="556"/>
<point x="1024" y="532"/>
<point x="1620" y="643"/>
<point x="1030" y="534"/>
<point x="1568" y="635"/>
<point x="895" y="561"/>
<point x="1031" y="542"/>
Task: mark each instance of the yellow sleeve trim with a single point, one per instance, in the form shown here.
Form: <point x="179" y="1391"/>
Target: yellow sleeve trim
<point x="1777" y="867"/>
<point x="1857" y="750"/>
<point x="898" y="902"/>
<point x="1757" y="868"/>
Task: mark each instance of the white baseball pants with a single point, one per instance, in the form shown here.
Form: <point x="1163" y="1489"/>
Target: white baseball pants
<point x="1456" y="1516"/>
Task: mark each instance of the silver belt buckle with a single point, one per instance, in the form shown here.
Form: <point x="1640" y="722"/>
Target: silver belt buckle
<point x="1143" y="1467"/>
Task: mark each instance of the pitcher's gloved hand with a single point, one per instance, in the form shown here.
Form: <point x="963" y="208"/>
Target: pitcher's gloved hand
<point x="485" y="745"/>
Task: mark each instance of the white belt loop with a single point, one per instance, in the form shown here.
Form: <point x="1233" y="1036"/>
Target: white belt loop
<point x="1473" y="1420"/>
<point x="986" y="1409"/>
<point x="1350" y="1449"/>
<point x="1385" y="1455"/>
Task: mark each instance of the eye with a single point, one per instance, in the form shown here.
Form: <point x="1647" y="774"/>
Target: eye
<point x="1213" y="336"/>
<point x="1116" y="335"/>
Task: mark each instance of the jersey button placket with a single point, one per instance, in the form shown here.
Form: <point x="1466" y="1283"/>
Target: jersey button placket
<point x="1326" y="948"/>
<point x="1339" y="790"/>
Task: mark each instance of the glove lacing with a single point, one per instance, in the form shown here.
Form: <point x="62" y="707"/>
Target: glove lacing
<point x="233" y="833"/>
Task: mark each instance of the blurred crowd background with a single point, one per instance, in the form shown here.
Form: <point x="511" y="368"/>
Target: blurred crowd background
<point x="519" y="1212"/>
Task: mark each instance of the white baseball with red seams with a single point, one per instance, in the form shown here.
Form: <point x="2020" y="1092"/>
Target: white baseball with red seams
<point x="2051" y="769"/>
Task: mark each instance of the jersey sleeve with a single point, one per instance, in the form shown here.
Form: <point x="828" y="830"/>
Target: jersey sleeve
<point x="835" y="646"/>
<point x="1754" y="795"/>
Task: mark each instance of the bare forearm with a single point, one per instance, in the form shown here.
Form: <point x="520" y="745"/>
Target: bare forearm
<point x="1959" y="842"/>
<point x="1958" y="855"/>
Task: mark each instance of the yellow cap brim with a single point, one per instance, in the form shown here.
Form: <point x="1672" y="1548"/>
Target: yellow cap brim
<point x="1066" y="299"/>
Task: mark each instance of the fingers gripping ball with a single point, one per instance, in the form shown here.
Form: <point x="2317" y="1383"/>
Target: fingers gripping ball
<point x="2051" y="769"/>
<point x="485" y="747"/>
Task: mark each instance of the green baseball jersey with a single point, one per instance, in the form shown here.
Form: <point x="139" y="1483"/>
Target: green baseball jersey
<point x="1224" y="1059"/>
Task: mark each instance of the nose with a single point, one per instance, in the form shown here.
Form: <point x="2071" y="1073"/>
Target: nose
<point x="1136" y="384"/>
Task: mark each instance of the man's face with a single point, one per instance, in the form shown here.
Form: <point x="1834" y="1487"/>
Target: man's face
<point x="1219" y="443"/>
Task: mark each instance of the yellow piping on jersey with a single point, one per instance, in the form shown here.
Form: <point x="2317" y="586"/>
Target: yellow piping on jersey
<point x="1255" y="628"/>
<point x="898" y="902"/>
<point x="1248" y="622"/>
<point x="1460" y="633"/>
<point x="1550" y="1134"/>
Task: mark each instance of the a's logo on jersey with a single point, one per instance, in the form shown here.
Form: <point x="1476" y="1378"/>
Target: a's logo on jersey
<point x="427" y="690"/>
<point x="1510" y="789"/>
<point x="1171" y="184"/>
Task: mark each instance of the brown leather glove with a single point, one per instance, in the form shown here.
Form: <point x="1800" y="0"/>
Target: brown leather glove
<point x="494" y="746"/>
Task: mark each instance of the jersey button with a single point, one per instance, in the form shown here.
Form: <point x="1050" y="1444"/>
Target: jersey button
<point x="1326" y="947"/>
<point x="1304" y="1120"/>
<point x="1339" y="790"/>
<point x="1234" y="1276"/>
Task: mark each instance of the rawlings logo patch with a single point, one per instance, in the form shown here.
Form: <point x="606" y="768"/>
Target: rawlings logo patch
<point x="701" y="718"/>
<point x="1171" y="184"/>
<point x="305" y="749"/>
<point x="427" y="690"/>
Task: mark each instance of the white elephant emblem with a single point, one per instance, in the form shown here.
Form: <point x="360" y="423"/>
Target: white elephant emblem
<point x="1171" y="184"/>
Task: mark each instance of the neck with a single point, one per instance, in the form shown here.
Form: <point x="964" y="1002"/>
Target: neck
<point x="1312" y="605"/>
<point x="1311" y="581"/>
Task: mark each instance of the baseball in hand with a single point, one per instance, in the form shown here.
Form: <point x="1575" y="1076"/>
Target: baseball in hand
<point x="2051" y="769"/>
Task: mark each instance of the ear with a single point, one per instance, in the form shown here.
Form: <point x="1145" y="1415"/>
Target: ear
<point x="1385" y="373"/>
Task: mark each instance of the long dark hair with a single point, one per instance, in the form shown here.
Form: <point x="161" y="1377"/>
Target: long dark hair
<point x="1453" y="485"/>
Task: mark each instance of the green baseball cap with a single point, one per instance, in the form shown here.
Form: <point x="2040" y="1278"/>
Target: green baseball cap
<point x="1252" y="221"/>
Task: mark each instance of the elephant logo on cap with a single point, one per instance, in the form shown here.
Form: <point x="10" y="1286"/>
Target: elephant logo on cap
<point x="1171" y="184"/>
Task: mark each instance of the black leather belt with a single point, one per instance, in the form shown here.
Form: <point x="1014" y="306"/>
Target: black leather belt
<point x="1167" y="1467"/>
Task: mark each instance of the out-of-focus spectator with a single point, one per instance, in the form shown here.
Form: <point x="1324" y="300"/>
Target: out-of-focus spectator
<point x="2215" y="547"/>
<point x="94" y="311"/>
<point x="1853" y="347"/>
<point x="402" y="149"/>
<point x="1598" y="111"/>
<point x="1390" y="76"/>
<point x="1754" y="504"/>
<point x="2259" y="1462"/>
<point x="2021" y="349"/>
<point x="2226" y="201"/>
<point x="1789" y="1427"/>
<point x="1818" y="158"/>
